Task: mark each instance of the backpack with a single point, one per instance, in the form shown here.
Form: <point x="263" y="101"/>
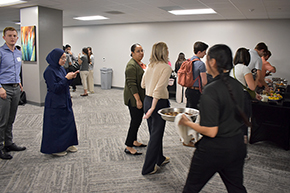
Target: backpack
<point x="185" y="74"/>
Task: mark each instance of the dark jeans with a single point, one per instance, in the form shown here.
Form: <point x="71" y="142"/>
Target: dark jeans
<point x="136" y="120"/>
<point x="8" y="110"/>
<point x="193" y="97"/>
<point x="217" y="155"/>
<point x="156" y="125"/>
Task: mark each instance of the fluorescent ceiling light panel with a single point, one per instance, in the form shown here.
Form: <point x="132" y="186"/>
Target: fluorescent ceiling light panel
<point x="89" y="18"/>
<point x="192" y="11"/>
<point x="4" y="3"/>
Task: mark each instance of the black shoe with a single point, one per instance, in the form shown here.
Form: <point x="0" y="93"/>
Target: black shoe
<point x="5" y="155"/>
<point x="128" y="152"/>
<point x="14" y="147"/>
<point x="142" y="145"/>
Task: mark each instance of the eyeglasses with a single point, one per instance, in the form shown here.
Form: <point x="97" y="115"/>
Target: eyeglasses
<point x="63" y="58"/>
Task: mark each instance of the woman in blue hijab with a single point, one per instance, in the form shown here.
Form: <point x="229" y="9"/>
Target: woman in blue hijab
<point x="59" y="129"/>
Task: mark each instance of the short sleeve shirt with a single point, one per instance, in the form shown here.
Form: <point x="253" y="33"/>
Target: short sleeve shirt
<point x="256" y="60"/>
<point x="197" y="68"/>
<point x="85" y="64"/>
<point x="241" y="71"/>
<point x="218" y="109"/>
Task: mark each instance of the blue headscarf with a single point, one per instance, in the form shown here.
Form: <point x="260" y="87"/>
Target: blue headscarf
<point x="53" y="57"/>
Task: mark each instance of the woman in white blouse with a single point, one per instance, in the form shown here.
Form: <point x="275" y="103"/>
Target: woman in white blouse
<point x="155" y="82"/>
<point x="243" y="74"/>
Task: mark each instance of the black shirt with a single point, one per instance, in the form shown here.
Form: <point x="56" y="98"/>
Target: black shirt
<point x="218" y="109"/>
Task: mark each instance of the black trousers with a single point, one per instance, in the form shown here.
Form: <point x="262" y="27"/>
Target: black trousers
<point x="156" y="125"/>
<point x="247" y="110"/>
<point x="136" y="120"/>
<point x="222" y="155"/>
<point x="193" y="97"/>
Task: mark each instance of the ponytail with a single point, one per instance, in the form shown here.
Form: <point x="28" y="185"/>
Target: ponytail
<point x="223" y="56"/>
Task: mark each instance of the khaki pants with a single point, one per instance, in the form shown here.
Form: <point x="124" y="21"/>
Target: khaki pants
<point x="84" y="77"/>
<point x="91" y="81"/>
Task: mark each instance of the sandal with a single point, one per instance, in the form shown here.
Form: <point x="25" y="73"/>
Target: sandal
<point x="83" y="95"/>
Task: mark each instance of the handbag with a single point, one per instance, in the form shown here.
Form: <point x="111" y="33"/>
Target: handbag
<point x="22" y="99"/>
<point x="252" y="93"/>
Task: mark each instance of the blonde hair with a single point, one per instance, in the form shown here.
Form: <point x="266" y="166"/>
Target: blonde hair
<point x="159" y="53"/>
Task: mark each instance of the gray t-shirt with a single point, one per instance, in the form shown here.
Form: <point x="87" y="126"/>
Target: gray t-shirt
<point x="85" y="64"/>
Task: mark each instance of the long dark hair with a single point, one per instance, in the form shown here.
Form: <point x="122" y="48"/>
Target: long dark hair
<point x="90" y="48"/>
<point x="85" y="50"/>
<point x="181" y="58"/>
<point x="224" y="61"/>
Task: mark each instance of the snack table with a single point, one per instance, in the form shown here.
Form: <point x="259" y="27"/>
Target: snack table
<point x="271" y="122"/>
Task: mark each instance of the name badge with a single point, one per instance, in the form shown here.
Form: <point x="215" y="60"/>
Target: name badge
<point x="18" y="59"/>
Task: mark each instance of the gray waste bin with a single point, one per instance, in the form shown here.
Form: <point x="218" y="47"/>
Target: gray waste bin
<point x="106" y="78"/>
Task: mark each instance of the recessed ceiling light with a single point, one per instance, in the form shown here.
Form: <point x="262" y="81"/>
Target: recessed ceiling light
<point x="192" y="11"/>
<point x="89" y="18"/>
<point x="4" y="3"/>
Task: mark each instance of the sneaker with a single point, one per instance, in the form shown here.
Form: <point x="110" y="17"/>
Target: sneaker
<point x="60" y="154"/>
<point x="166" y="161"/>
<point x="155" y="170"/>
<point x="72" y="149"/>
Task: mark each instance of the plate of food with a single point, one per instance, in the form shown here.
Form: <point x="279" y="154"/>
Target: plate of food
<point x="275" y="97"/>
<point x="169" y="114"/>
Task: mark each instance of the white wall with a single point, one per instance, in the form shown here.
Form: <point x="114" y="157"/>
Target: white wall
<point x="113" y="42"/>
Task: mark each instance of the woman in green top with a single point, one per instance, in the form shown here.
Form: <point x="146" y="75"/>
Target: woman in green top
<point x="134" y="96"/>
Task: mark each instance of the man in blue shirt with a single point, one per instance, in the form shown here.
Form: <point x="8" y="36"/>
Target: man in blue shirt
<point x="198" y="68"/>
<point x="10" y="86"/>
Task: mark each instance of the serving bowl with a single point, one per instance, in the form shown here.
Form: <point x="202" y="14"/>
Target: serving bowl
<point x="189" y="111"/>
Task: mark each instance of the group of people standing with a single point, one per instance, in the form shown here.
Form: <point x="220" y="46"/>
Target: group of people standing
<point x="224" y="106"/>
<point x="83" y="62"/>
<point x="59" y="129"/>
<point x="146" y="92"/>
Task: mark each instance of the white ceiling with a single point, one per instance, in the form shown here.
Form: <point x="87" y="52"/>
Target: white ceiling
<point x="139" y="11"/>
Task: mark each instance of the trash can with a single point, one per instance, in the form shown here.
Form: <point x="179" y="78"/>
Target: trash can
<point x="106" y="78"/>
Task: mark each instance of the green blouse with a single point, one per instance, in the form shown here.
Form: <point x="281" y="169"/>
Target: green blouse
<point x="133" y="77"/>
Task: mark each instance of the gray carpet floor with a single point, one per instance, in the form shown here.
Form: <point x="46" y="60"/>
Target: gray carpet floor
<point x="101" y="165"/>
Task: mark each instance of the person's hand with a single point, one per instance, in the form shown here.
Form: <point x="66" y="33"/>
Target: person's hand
<point x="183" y="120"/>
<point x="148" y="114"/>
<point x="3" y="94"/>
<point x="21" y="88"/>
<point x="71" y="75"/>
<point x="259" y="97"/>
<point x="139" y="104"/>
<point x="267" y="89"/>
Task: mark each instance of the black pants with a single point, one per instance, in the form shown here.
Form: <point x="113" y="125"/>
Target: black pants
<point x="136" y="120"/>
<point x="156" y="125"/>
<point x="193" y="97"/>
<point x="247" y="110"/>
<point x="222" y="155"/>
